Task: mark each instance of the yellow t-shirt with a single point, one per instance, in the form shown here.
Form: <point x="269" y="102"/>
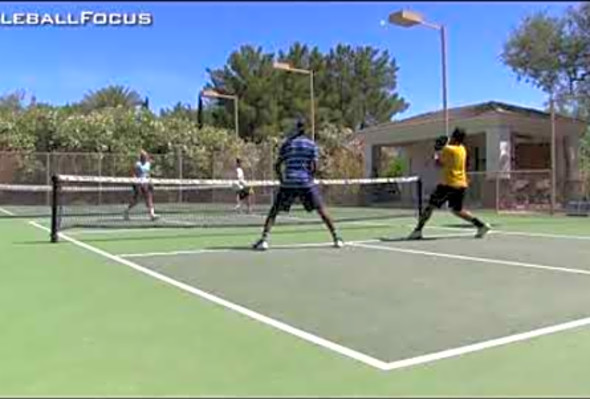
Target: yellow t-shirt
<point x="453" y="158"/>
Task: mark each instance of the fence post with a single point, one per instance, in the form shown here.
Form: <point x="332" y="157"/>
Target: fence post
<point x="48" y="176"/>
<point x="497" y="178"/>
<point x="180" y="172"/>
<point x="100" y="175"/>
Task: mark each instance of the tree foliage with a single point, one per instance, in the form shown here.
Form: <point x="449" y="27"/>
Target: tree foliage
<point x="353" y="88"/>
<point x="111" y="96"/>
<point x="553" y="53"/>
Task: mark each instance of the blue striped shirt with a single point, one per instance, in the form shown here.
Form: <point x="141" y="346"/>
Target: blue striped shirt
<point x="297" y="154"/>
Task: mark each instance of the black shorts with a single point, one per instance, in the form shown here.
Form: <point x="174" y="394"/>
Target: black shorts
<point x="442" y="194"/>
<point x="244" y="193"/>
<point x="143" y="189"/>
<point x="309" y="196"/>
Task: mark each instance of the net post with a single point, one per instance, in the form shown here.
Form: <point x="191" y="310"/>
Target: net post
<point x="54" y="208"/>
<point x="420" y="197"/>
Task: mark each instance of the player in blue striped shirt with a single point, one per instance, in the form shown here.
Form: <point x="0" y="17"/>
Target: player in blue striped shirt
<point x="299" y="156"/>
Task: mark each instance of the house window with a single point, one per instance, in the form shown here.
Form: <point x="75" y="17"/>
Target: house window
<point x="532" y="156"/>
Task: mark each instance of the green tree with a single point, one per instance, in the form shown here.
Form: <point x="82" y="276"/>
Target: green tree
<point x="248" y="74"/>
<point x="354" y="87"/>
<point x="552" y="53"/>
<point x="111" y="96"/>
<point x="12" y="102"/>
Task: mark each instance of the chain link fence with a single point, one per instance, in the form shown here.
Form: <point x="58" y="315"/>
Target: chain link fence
<point x="525" y="190"/>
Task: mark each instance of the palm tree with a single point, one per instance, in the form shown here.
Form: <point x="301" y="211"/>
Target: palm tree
<point x="111" y="96"/>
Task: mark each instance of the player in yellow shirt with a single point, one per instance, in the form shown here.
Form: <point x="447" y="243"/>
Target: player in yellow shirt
<point x="451" y="158"/>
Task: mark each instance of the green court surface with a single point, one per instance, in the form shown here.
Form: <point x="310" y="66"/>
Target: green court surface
<point x="195" y="312"/>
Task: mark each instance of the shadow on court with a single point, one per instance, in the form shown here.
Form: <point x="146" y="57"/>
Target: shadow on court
<point x="209" y="232"/>
<point x="427" y="238"/>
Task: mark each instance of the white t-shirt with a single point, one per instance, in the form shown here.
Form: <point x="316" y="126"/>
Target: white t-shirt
<point x="142" y="171"/>
<point x="241" y="179"/>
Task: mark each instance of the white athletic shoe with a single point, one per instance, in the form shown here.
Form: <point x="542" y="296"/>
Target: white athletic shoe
<point x="482" y="231"/>
<point x="260" y="245"/>
<point x="415" y="235"/>
<point x="338" y="242"/>
<point x="154" y="217"/>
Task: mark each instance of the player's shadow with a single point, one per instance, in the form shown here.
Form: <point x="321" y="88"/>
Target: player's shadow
<point x="465" y="225"/>
<point x="192" y="232"/>
<point x="249" y="248"/>
<point x="427" y="238"/>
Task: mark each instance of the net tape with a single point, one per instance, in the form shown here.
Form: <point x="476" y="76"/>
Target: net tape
<point x="103" y="180"/>
<point x="121" y="183"/>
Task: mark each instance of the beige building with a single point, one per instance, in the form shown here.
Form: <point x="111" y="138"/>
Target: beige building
<point x="508" y="147"/>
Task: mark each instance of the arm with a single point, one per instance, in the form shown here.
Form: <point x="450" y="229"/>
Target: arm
<point x="278" y="170"/>
<point x="314" y="167"/>
<point x="440" y="158"/>
<point x="314" y="162"/>
<point x="439" y="146"/>
<point x="279" y="163"/>
<point x="437" y="159"/>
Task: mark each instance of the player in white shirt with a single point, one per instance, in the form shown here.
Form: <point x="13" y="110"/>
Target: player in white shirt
<point x="244" y="192"/>
<point x="141" y="170"/>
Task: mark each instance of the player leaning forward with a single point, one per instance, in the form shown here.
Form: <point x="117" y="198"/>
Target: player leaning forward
<point x="299" y="155"/>
<point x="451" y="158"/>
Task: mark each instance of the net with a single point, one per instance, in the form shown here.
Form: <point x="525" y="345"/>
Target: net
<point x="25" y="200"/>
<point x="100" y="202"/>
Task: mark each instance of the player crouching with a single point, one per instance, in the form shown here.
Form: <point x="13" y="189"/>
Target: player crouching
<point x="451" y="158"/>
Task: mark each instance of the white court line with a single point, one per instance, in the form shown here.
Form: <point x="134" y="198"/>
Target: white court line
<point x="226" y="250"/>
<point x="7" y="212"/>
<point x="519" y="233"/>
<point x="286" y="246"/>
<point x="474" y="259"/>
<point x="173" y="253"/>
<point x="116" y="231"/>
<point x="343" y="350"/>
<point x="381" y="365"/>
<point x="431" y="357"/>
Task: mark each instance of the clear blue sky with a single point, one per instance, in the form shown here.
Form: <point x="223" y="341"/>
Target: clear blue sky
<point x="167" y="60"/>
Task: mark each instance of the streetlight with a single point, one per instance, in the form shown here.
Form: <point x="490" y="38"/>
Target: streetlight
<point x="408" y="19"/>
<point x="214" y="94"/>
<point x="286" y="67"/>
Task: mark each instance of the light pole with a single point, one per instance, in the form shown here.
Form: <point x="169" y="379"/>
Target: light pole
<point x="286" y="67"/>
<point x="214" y="94"/>
<point x="409" y="18"/>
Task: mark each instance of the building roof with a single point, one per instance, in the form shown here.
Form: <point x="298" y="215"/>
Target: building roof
<point x="465" y="112"/>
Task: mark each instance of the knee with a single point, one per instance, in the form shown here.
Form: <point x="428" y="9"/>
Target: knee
<point x="428" y="210"/>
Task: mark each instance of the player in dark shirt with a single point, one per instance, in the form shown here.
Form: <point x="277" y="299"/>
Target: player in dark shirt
<point x="299" y="155"/>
